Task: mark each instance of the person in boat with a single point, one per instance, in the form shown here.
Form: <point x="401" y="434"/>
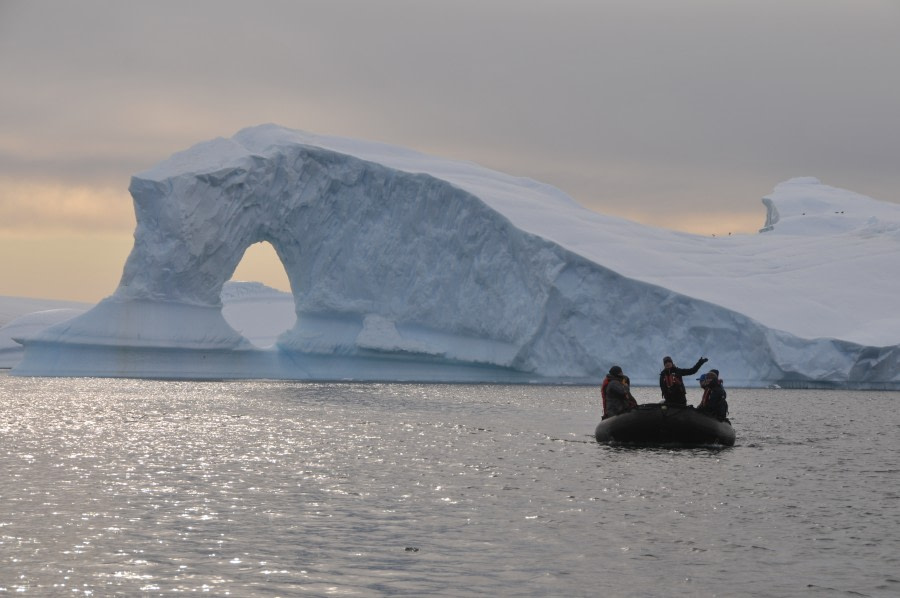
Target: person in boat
<point x="629" y="398"/>
<point x="615" y="394"/>
<point x="671" y="383"/>
<point x="713" y="402"/>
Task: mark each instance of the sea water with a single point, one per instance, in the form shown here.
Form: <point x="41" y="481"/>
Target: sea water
<point x="260" y="488"/>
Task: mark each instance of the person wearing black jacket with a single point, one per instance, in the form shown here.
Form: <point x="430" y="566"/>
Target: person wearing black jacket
<point x="714" y="396"/>
<point x="671" y="384"/>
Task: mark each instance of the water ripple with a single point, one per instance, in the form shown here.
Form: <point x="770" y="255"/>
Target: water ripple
<point x="136" y="487"/>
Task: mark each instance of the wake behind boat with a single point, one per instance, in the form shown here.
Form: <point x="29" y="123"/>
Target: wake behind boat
<point x="658" y="424"/>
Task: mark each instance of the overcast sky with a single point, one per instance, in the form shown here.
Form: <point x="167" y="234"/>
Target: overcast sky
<point x="675" y="113"/>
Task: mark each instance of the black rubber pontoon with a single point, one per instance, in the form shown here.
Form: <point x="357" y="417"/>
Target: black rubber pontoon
<point x="659" y="425"/>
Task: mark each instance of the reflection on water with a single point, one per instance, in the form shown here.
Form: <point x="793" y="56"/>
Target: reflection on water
<point x="277" y="488"/>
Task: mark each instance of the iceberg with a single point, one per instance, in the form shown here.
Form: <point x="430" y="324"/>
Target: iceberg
<point x="26" y="325"/>
<point x="410" y="267"/>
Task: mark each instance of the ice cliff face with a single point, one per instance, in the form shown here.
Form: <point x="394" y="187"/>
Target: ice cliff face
<point x="402" y="267"/>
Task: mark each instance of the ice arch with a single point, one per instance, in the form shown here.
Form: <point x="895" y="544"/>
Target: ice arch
<point x="379" y="259"/>
<point x="401" y="266"/>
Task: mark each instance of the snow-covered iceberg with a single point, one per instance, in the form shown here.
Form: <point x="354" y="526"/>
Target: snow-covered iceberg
<point x="409" y="267"/>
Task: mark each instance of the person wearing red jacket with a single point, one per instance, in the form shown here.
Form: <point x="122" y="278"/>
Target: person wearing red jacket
<point x="615" y="394"/>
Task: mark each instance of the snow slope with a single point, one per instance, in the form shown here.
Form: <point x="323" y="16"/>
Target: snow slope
<point x="27" y="325"/>
<point x="258" y="312"/>
<point x="407" y="266"/>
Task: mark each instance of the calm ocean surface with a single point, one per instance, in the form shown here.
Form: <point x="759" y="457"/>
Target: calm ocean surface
<point x="134" y="487"/>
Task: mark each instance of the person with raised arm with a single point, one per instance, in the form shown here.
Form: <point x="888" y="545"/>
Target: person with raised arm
<point x="671" y="384"/>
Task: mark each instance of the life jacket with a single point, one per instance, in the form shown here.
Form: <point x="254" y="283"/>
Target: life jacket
<point x="672" y="381"/>
<point x="603" y="393"/>
<point x="707" y="391"/>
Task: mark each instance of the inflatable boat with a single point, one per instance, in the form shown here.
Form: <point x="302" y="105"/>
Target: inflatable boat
<point x="658" y="424"/>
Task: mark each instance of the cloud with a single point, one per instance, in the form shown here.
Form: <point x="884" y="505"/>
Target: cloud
<point x="30" y="208"/>
<point x="666" y="112"/>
